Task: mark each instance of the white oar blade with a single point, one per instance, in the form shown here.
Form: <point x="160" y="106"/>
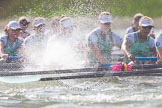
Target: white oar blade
<point x="19" y="79"/>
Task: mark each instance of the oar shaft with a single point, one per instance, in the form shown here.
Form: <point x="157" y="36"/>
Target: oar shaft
<point x="11" y="65"/>
<point x="82" y="70"/>
<point x="99" y="75"/>
<point x="50" y="72"/>
<point x="147" y="66"/>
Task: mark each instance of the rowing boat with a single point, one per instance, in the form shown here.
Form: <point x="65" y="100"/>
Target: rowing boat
<point x="136" y="70"/>
<point x="31" y="76"/>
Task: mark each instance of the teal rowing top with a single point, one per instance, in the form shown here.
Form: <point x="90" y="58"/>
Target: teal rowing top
<point x="139" y="49"/>
<point x="11" y="48"/>
<point x="104" y="44"/>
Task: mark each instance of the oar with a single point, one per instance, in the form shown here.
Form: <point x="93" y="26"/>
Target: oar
<point x="146" y="66"/>
<point x="11" y="65"/>
<point x="81" y="70"/>
<point x="107" y="74"/>
<point x="19" y="73"/>
<point x="19" y="79"/>
<point x="27" y="79"/>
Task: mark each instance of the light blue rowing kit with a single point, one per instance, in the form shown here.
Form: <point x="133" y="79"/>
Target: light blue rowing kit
<point x="130" y="29"/>
<point x="158" y="43"/>
<point x="36" y="41"/>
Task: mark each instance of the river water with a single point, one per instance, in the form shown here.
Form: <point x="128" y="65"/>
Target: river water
<point x="113" y="92"/>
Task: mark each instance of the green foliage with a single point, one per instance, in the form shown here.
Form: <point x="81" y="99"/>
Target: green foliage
<point x="49" y="8"/>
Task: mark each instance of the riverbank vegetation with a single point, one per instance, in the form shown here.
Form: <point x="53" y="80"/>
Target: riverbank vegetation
<point x="49" y="8"/>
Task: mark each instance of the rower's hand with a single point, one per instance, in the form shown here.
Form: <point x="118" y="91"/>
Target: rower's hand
<point x="152" y="34"/>
<point x="131" y="57"/>
<point x="103" y="60"/>
<point x="4" y="56"/>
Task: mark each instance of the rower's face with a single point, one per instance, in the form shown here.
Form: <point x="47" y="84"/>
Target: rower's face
<point x="105" y="27"/>
<point x="40" y="28"/>
<point x="145" y="30"/>
<point x="136" y="23"/>
<point x="14" y="33"/>
<point x="24" y="24"/>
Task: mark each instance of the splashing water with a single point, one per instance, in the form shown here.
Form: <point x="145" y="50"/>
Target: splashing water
<point x="60" y="54"/>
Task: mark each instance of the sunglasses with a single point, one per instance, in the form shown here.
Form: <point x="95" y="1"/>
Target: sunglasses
<point x="15" y="30"/>
<point x="147" y="27"/>
<point x="106" y="23"/>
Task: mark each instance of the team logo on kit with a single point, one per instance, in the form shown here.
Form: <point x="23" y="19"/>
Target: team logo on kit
<point x="157" y="44"/>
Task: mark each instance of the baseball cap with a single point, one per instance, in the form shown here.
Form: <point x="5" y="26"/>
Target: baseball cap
<point x="146" y="21"/>
<point x="13" y="25"/>
<point x="24" y="20"/>
<point x="105" y="18"/>
<point x="38" y="21"/>
<point x="66" y="22"/>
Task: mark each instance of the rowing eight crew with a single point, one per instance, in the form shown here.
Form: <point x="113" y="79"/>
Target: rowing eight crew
<point x="35" y="43"/>
<point x="135" y="44"/>
<point x="100" y="40"/>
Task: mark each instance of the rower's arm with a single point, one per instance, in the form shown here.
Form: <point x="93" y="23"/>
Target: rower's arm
<point x="153" y="50"/>
<point x="2" y="54"/>
<point x="125" y="46"/>
<point x="118" y="46"/>
<point x="159" y="54"/>
<point x="96" y="52"/>
<point x="1" y="48"/>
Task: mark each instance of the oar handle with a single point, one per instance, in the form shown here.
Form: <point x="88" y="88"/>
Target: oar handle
<point x="146" y="58"/>
<point x="14" y="57"/>
<point x="106" y="65"/>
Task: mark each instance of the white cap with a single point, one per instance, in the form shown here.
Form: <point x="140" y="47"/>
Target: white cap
<point x="13" y="25"/>
<point x="38" y="21"/>
<point x="105" y="19"/>
<point x="67" y="23"/>
<point x="145" y="22"/>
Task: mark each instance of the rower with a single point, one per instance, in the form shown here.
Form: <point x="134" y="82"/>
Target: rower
<point x="39" y="31"/>
<point x="35" y="44"/>
<point x="139" y="44"/>
<point x="24" y="23"/>
<point x="158" y="44"/>
<point x="63" y="48"/>
<point x="55" y="26"/>
<point x="135" y="23"/>
<point x="101" y="41"/>
<point x="64" y="30"/>
<point x="10" y="44"/>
